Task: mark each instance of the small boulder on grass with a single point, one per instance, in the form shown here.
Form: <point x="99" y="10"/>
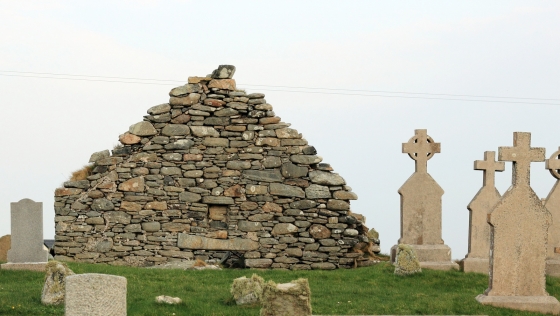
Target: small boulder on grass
<point x="164" y="299"/>
<point x="55" y="283"/>
<point x="287" y="299"/>
<point x="406" y="262"/>
<point x="247" y="291"/>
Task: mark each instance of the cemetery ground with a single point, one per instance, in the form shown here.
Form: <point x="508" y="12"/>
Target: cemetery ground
<point x="373" y="290"/>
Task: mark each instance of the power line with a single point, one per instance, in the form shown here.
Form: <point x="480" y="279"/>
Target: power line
<point x="85" y="79"/>
<point x="291" y="87"/>
<point x="87" y="76"/>
<point x="401" y="92"/>
<point x="416" y="97"/>
<point x="370" y="93"/>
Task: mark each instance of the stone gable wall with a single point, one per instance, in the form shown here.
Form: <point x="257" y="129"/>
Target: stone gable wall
<point x="213" y="170"/>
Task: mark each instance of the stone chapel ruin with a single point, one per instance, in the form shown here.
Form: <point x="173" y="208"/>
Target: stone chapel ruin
<point x="212" y="174"/>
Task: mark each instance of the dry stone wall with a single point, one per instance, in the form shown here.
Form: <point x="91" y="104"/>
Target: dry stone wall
<point x="213" y="170"/>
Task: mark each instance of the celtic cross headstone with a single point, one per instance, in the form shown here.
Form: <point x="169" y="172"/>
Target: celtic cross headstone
<point x="421" y="207"/>
<point x="552" y="204"/>
<point x="518" y="238"/>
<point x="477" y="260"/>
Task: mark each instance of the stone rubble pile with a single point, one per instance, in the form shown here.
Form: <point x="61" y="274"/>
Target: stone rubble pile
<point x="212" y="172"/>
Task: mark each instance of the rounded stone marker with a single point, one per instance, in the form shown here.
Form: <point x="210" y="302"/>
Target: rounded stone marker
<point x="94" y="294"/>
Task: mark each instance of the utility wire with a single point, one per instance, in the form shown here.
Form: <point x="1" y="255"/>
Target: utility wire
<point x="87" y="76"/>
<point x="407" y="95"/>
<point x="85" y="79"/>
<point x="401" y="92"/>
<point x="416" y="97"/>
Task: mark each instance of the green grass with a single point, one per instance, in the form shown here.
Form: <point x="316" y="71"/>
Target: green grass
<point x="372" y="290"/>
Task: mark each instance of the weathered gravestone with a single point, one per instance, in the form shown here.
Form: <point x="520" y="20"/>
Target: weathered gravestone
<point x="421" y="207"/>
<point x="5" y="244"/>
<point x="93" y="294"/>
<point x="247" y="291"/>
<point x="406" y="262"/>
<point x="477" y="260"/>
<point x="552" y="204"/>
<point x="27" y="251"/>
<point x="286" y="299"/>
<point x="54" y="288"/>
<point x="519" y="233"/>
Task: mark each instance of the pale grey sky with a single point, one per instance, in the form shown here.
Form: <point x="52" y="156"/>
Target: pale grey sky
<point x="50" y="127"/>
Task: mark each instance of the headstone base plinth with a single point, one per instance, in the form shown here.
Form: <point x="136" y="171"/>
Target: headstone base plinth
<point x="435" y="257"/>
<point x="539" y="304"/>
<point x="478" y="265"/>
<point x="553" y="267"/>
<point x="31" y="266"/>
<point x="439" y="265"/>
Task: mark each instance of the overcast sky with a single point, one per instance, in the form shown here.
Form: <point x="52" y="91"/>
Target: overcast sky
<point x="429" y="52"/>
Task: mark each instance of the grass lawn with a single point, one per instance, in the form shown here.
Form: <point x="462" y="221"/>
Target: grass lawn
<point x="365" y="291"/>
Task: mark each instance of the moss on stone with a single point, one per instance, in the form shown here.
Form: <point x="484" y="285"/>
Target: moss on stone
<point x="247" y="290"/>
<point x="406" y="261"/>
<point x="55" y="283"/>
<point x="288" y="299"/>
<point x="373" y="234"/>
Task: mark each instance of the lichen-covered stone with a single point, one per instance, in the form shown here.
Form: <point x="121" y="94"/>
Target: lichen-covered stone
<point x="326" y="178"/>
<point x="142" y="129"/>
<point x="224" y="72"/>
<point x="5" y="245"/>
<point x="287" y="299"/>
<point x="55" y="284"/>
<point x="198" y="242"/>
<point x="164" y="299"/>
<point x="247" y="291"/>
<point x="99" y="155"/>
<point x="406" y="262"/>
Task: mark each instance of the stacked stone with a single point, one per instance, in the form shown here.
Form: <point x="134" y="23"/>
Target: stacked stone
<point x="213" y="170"/>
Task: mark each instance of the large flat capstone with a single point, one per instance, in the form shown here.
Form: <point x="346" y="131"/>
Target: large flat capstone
<point x="263" y="175"/>
<point x="326" y="178"/>
<point x="198" y="242"/>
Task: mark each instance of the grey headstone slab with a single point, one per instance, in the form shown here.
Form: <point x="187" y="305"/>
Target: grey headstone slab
<point x="27" y="233"/>
<point x="93" y="294"/>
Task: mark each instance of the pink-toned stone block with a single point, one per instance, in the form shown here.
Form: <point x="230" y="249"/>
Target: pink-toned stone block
<point x="421" y="207"/>
<point x="519" y="234"/>
<point x="552" y="204"/>
<point x="477" y="260"/>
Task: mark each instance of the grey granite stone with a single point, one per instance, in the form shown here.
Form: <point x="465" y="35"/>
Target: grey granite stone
<point x="27" y="232"/>
<point x="93" y="294"/>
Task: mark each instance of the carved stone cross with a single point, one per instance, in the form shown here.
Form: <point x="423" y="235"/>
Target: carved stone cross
<point x="521" y="154"/>
<point x="552" y="203"/>
<point x="421" y="148"/>
<point x="479" y="229"/>
<point x="421" y="207"/>
<point x="519" y="238"/>
<point x="489" y="166"/>
<point x="553" y="164"/>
